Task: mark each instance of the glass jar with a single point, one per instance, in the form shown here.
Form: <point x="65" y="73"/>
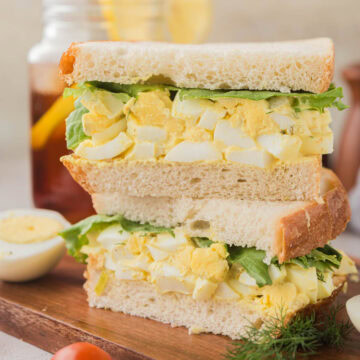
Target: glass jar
<point x="65" y="21"/>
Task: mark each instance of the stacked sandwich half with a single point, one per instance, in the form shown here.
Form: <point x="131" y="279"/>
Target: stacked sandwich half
<point x="204" y="166"/>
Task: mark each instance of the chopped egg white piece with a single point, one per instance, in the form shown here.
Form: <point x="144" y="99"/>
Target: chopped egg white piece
<point x="184" y="109"/>
<point x="167" y="242"/>
<point x="256" y="157"/>
<point x="347" y="266"/>
<point x="317" y="144"/>
<point x="103" y="103"/>
<point x="29" y="252"/>
<point x="108" y="150"/>
<point x="284" y="122"/>
<point x="204" y="289"/>
<point x="151" y="133"/>
<point x="124" y="273"/>
<point x="353" y="310"/>
<point x="326" y="287"/>
<point x="241" y="288"/>
<point x="232" y="136"/>
<point x="210" y="117"/>
<point x="282" y="146"/>
<point x="277" y="275"/>
<point x="112" y="235"/>
<point x="246" y="279"/>
<point x="146" y="132"/>
<point x="188" y="151"/>
<point x="141" y="262"/>
<point x="142" y="151"/>
<point x="157" y="254"/>
<point x="108" y="134"/>
<point x="305" y="280"/>
<point x="168" y="278"/>
<point x="225" y="292"/>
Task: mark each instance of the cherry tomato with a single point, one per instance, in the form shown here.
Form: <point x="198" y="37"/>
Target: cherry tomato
<point x="81" y="351"/>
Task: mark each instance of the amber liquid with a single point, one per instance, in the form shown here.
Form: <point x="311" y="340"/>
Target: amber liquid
<point x="53" y="187"/>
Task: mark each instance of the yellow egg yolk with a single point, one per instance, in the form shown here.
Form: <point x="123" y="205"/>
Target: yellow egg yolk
<point x="28" y="229"/>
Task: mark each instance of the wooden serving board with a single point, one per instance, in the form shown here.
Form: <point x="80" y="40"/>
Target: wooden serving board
<point x="52" y="312"/>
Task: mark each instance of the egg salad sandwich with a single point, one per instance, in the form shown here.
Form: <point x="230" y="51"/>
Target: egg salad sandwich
<point x="213" y="265"/>
<point x="229" y="121"/>
<point x="204" y="166"/>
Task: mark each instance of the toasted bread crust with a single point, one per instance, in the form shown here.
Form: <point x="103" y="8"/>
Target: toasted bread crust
<point x="68" y="59"/>
<point x="316" y="224"/>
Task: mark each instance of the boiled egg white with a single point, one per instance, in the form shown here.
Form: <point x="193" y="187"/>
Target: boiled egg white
<point x="225" y="292"/>
<point x="353" y="310"/>
<point x="168" y="278"/>
<point x="147" y="133"/>
<point x="277" y="275"/>
<point x="188" y="151"/>
<point x="103" y="103"/>
<point x="305" y="280"/>
<point x="232" y="136"/>
<point x="29" y="243"/>
<point x="111" y="236"/>
<point x="282" y="146"/>
<point x="142" y="151"/>
<point x="317" y="144"/>
<point x="109" y="150"/>
<point x="204" y="289"/>
<point x="284" y="122"/>
<point x="110" y="133"/>
<point x="185" y="109"/>
<point x="256" y="157"/>
<point x="210" y="117"/>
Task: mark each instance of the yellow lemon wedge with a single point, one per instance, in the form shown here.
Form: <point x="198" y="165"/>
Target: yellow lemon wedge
<point x="188" y="20"/>
<point x="44" y="127"/>
<point x="133" y="20"/>
<point x="108" y="12"/>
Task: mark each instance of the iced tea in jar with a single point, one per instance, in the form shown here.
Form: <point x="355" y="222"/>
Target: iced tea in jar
<point x="65" y="21"/>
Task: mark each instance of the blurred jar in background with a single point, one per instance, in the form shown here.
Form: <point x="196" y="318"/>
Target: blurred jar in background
<point x="64" y="21"/>
<point x="67" y="21"/>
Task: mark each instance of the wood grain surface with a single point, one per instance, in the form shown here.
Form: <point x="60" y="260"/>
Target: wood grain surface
<point x="52" y="312"/>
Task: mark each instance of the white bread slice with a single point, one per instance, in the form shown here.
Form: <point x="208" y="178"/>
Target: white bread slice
<point x="140" y="298"/>
<point x="285" y="229"/>
<point x="298" y="180"/>
<point x="283" y="66"/>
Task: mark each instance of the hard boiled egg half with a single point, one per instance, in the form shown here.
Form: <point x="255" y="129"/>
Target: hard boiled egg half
<point x="29" y="243"/>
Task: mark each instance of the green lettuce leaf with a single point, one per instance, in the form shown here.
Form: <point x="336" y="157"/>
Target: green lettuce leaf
<point x="331" y="98"/>
<point x="302" y="100"/>
<point x="134" y="226"/>
<point x="252" y="260"/>
<point x="202" y="242"/>
<point x="76" y="236"/>
<point x="131" y="90"/>
<point x="325" y="258"/>
<point x="74" y="128"/>
<point x="86" y="87"/>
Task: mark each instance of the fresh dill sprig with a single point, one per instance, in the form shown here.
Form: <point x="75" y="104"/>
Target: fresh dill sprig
<point x="278" y="340"/>
<point x="334" y="332"/>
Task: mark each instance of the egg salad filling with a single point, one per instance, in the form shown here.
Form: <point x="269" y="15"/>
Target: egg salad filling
<point x="174" y="262"/>
<point x="157" y="122"/>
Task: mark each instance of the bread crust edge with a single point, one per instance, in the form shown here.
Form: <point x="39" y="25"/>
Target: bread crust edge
<point x="315" y="224"/>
